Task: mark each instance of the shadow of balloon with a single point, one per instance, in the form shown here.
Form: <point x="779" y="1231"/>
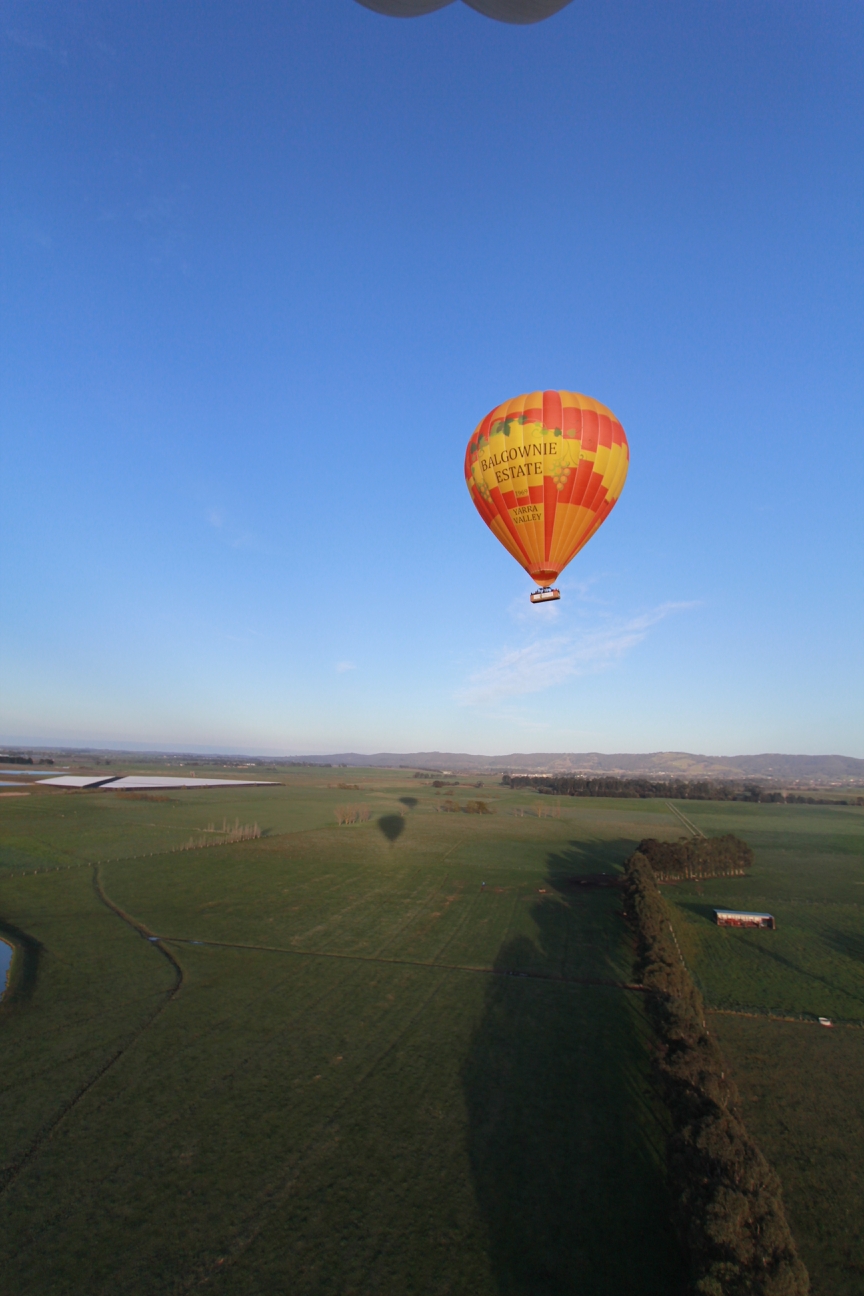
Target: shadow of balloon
<point x="565" y="1136"/>
<point x="410" y="802"/>
<point x="392" y="826"/>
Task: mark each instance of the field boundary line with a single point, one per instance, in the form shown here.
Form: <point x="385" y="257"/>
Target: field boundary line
<point x="169" y="850"/>
<point x="140" y="928"/>
<point x="11" y="1172"/>
<point x="396" y="962"/>
<point x="851" y="1023"/>
<point x="688" y="823"/>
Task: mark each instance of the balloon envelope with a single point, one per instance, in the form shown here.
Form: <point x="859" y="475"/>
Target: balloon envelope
<point x="511" y="11"/>
<point x="544" y="471"/>
<point x="404" y="8"/>
<point x="518" y="11"/>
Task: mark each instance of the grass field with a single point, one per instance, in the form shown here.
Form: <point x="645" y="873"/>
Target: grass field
<point x="346" y="1065"/>
<point x="801" y="1084"/>
<point x="398" y="1055"/>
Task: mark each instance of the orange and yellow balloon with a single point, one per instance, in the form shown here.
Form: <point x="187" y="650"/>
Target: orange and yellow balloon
<point x="544" y="471"/>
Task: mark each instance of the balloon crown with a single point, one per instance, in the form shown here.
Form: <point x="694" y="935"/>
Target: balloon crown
<point x="509" y="11"/>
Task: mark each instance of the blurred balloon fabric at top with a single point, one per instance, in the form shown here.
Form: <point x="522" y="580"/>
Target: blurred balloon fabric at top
<point x="510" y="11"/>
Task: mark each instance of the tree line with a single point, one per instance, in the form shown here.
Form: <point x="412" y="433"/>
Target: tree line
<point x="610" y="785"/>
<point x="727" y="1199"/>
<point x="470" y="807"/>
<point x="693" y="858"/>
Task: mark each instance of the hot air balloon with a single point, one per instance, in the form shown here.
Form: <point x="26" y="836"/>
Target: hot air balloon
<point x="545" y="471"/>
<point x="511" y="11"/>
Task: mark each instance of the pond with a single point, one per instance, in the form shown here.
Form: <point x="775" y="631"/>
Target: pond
<point x="5" y="960"/>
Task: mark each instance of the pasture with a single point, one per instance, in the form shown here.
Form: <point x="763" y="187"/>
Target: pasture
<point x="388" y="1056"/>
<point x="801" y="1084"/>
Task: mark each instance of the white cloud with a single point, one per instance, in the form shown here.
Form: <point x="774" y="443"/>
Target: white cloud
<point x="343" y="666"/>
<point x="233" y="537"/>
<point x="545" y="662"/>
<point x="29" y="41"/>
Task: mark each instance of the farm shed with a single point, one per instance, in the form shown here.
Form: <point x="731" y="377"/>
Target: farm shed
<point x="133" y="783"/>
<point x="742" y="918"/>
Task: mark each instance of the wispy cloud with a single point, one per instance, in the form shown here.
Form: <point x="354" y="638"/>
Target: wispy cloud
<point x="232" y="536"/>
<point x="343" y="666"/>
<point x="32" y="41"/>
<point x="545" y="662"/>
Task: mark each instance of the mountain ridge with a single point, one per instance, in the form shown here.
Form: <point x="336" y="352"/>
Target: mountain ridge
<point x="775" y="766"/>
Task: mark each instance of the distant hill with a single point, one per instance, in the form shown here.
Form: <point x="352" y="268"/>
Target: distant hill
<point x="810" y="770"/>
<point x="791" y="771"/>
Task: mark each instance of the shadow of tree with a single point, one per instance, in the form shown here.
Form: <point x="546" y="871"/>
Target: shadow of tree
<point x="589" y="857"/>
<point x="566" y="1146"/>
<point x="410" y="802"/>
<point x="792" y="966"/>
<point x="699" y="910"/>
<point x="850" y="944"/>
<point x="392" y="826"/>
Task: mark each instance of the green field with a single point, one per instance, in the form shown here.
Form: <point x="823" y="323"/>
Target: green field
<point x="345" y="1066"/>
<point x="802" y="1085"/>
<point x="349" y="1066"/>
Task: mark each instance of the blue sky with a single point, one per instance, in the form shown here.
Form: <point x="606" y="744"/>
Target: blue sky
<point x="236" y="236"/>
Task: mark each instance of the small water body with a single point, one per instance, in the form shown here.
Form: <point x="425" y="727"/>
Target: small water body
<point x="5" y="960"/>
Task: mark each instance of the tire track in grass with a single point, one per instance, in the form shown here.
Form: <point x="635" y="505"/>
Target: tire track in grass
<point x="688" y="823"/>
<point x="178" y="1114"/>
<point x="480" y="969"/>
<point x="431" y="897"/>
<point x="11" y="1172"/>
<point x="29" y="1077"/>
<point x="383" y="892"/>
<point x="271" y="1198"/>
<point x="230" y="1074"/>
<point x="466" y="914"/>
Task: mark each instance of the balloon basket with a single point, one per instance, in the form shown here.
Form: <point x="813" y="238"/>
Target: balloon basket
<point x="545" y="595"/>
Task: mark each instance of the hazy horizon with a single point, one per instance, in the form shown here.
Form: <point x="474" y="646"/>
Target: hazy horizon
<point x="131" y="747"/>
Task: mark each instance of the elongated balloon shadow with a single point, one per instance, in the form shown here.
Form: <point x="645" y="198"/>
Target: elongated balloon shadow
<point x="392" y="826"/>
<point x="565" y="1142"/>
<point x="410" y="802"/>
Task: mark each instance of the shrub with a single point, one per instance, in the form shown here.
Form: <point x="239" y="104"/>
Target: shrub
<point x="352" y="814"/>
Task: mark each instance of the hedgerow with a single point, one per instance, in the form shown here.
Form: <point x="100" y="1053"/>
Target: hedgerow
<point x="728" y="1201"/>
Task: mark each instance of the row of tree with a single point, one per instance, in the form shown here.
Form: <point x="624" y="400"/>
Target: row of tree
<point x="793" y="798"/>
<point x="728" y="1202"/>
<point x="609" y="785"/>
<point x="693" y="858"/>
<point x="351" y="814"/>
